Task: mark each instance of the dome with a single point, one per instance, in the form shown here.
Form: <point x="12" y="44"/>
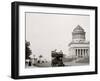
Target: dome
<point x="78" y="29"/>
<point x="78" y="34"/>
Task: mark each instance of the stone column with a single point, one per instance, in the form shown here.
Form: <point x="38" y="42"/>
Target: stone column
<point x="76" y="51"/>
<point x="79" y="52"/>
<point x="82" y="52"/>
<point x="85" y="52"/>
<point x="88" y="52"/>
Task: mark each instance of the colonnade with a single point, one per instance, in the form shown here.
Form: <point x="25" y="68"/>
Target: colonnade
<point x="81" y="52"/>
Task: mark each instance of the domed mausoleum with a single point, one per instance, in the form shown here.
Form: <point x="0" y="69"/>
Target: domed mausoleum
<point x="79" y="47"/>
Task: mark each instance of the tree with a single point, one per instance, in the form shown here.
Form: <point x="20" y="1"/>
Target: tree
<point x="28" y="50"/>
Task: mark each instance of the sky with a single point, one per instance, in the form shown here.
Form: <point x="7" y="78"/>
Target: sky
<point x="47" y="32"/>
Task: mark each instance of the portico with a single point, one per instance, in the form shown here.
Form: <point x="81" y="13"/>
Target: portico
<point x="80" y="52"/>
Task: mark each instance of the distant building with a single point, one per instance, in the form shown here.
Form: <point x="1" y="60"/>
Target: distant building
<point x="79" y="47"/>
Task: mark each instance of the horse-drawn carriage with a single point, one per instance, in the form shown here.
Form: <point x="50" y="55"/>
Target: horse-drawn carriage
<point x="57" y="58"/>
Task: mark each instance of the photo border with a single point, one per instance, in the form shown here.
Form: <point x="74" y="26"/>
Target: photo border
<point x="15" y="39"/>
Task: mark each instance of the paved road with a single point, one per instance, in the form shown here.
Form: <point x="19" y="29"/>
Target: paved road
<point x="74" y="64"/>
<point x="48" y="64"/>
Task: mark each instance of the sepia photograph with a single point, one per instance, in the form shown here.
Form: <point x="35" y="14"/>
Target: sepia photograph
<point x="56" y="39"/>
<point x="51" y="40"/>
